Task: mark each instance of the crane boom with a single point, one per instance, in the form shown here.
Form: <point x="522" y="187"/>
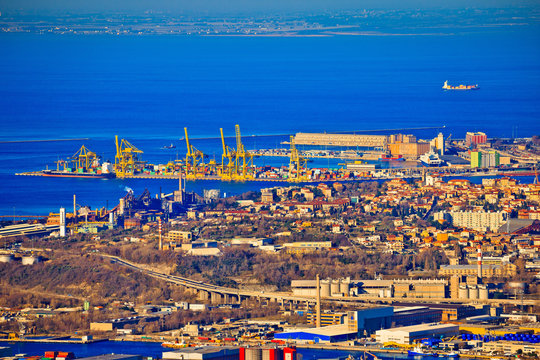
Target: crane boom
<point x="187" y="142"/>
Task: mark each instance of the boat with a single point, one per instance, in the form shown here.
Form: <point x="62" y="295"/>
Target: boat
<point x="431" y="159"/>
<point x="419" y="352"/>
<point x="86" y="175"/>
<point x="388" y="157"/>
<point x="460" y="87"/>
<point x="172" y="146"/>
<point x="453" y="355"/>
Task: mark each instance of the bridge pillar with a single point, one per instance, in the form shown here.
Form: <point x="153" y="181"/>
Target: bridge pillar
<point x="203" y="295"/>
<point x="215" y="298"/>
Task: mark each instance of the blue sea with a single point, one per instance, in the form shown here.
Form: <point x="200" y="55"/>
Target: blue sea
<point x="155" y="350"/>
<point x="148" y="88"/>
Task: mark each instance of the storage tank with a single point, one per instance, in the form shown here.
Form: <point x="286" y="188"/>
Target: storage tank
<point x="463" y="292"/>
<point x="483" y="292"/>
<point x="473" y="292"/>
<point x="253" y="354"/>
<point x="334" y="287"/>
<point x="344" y="287"/>
<point x="325" y="288"/>
<point x="6" y="258"/>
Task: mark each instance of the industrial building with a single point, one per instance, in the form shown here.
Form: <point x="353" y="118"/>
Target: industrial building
<point x="179" y="236"/>
<point x="341" y="140"/>
<point x="325" y="334"/>
<point x="409" y="150"/>
<point x="400" y="288"/>
<point x="408" y="334"/>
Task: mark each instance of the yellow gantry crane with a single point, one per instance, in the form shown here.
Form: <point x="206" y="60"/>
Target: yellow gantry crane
<point x="83" y="158"/>
<point x="126" y="159"/>
<point x="244" y="159"/>
<point x="194" y="160"/>
<point x="228" y="160"/>
<point x="297" y="164"/>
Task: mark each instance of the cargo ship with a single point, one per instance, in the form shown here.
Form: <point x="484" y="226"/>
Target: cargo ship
<point x="460" y="87"/>
<point x="72" y="174"/>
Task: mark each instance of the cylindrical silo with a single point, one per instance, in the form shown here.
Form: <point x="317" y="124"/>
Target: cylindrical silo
<point x="483" y="292"/>
<point x="473" y="292"/>
<point x="334" y="287"/>
<point x="463" y="292"/>
<point x="325" y="288"/>
<point x="344" y="287"/>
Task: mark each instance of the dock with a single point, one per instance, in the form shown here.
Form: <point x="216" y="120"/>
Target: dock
<point x="59" y="340"/>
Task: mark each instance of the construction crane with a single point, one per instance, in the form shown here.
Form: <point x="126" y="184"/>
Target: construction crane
<point x="244" y="159"/>
<point x="297" y="164"/>
<point x="194" y="160"/>
<point x="84" y="159"/>
<point x="126" y="159"/>
<point x="228" y="160"/>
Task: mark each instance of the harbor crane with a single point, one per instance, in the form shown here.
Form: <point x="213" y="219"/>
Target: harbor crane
<point x="297" y="164"/>
<point x="244" y="159"/>
<point x="126" y="159"/>
<point x="194" y="160"/>
<point x="83" y="158"/>
<point x="228" y="160"/>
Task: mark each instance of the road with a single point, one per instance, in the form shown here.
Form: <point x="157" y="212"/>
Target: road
<point x="283" y="296"/>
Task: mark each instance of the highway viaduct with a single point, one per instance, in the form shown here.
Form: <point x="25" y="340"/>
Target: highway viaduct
<point x="224" y="295"/>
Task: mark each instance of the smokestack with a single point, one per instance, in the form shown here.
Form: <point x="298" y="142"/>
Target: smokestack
<point x="75" y="208"/>
<point x="318" y="307"/>
<point x="480" y="262"/>
<point x="160" y="245"/>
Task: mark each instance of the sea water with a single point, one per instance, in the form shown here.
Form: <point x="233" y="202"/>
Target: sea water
<point x="148" y="88"/>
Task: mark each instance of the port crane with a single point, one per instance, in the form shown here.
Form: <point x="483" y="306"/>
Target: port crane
<point x="244" y="159"/>
<point x="228" y="160"/>
<point x="127" y="156"/>
<point x="83" y="158"/>
<point x="194" y="160"/>
<point x="297" y="164"/>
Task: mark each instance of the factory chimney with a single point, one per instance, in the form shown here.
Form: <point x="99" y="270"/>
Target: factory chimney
<point x="62" y="222"/>
<point x="179" y="194"/>
<point x="318" y="307"/>
<point x="75" y="208"/>
<point x="480" y="262"/>
<point x="160" y="245"/>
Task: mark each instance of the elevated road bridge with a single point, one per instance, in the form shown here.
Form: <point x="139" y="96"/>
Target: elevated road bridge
<point x="220" y="294"/>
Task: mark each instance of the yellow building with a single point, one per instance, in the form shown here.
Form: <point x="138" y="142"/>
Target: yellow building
<point x="179" y="236"/>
